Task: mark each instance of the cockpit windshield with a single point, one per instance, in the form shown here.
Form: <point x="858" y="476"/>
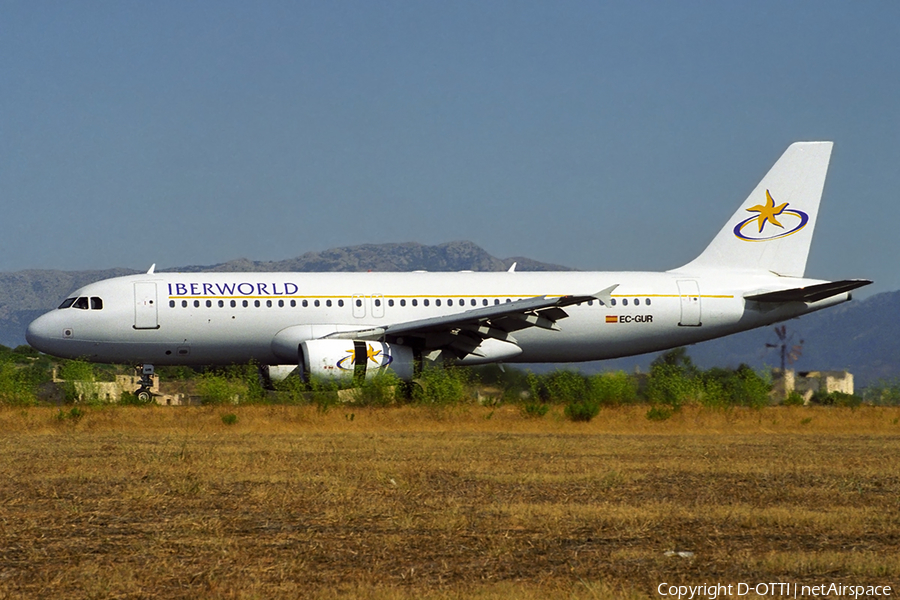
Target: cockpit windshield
<point x="83" y="303"/>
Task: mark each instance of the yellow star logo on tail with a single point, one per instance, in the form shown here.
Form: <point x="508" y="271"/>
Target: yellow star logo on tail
<point x="768" y="212"/>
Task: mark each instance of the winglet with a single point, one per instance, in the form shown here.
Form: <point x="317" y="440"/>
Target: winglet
<point x="152" y="269"/>
<point x="605" y="296"/>
<point x="512" y="269"/>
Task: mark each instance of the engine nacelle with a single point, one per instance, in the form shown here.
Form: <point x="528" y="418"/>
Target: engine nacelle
<point x="352" y="358"/>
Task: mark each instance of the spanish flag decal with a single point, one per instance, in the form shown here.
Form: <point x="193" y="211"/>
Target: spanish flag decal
<point x="612" y="319"/>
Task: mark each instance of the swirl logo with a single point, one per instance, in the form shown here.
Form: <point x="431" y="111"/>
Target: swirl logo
<point x="768" y="214"/>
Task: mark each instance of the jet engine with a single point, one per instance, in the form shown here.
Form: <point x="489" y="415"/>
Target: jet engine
<point x="353" y="358"/>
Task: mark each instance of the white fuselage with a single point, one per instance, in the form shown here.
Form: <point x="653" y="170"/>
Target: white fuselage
<point x="750" y="275"/>
<point x="226" y="318"/>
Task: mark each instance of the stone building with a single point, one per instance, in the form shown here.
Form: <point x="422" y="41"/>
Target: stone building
<point x="807" y="383"/>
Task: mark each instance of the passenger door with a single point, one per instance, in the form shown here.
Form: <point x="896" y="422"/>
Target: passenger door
<point x="689" y="293"/>
<point x="145" y="306"/>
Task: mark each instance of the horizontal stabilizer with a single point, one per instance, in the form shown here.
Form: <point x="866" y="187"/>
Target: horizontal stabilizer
<point x="812" y="293"/>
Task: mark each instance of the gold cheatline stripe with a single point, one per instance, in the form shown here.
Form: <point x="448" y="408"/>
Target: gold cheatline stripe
<point x="453" y="297"/>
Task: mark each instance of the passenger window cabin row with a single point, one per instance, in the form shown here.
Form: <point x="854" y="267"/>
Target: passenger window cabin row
<point x="95" y="303"/>
<point x="328" y="303"/>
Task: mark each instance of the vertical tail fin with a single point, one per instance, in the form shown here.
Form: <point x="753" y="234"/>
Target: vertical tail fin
<point x="773" y="228"/>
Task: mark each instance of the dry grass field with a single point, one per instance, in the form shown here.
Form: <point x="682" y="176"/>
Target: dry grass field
<point x="290" y="502"/>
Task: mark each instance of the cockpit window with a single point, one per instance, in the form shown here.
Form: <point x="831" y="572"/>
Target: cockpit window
<point x="96" y="303"/>
<point x="67" y="303"/>
<point x="81" y="303"/>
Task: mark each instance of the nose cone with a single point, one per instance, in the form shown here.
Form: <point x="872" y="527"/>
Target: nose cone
<point x="43" y="332"/>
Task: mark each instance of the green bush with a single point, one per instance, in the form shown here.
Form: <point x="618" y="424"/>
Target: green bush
<point x="236" y="384"/>
<point x="17" y="387"/>
<point x="794" y="399"/>
<point x="582" y="410"/>
<point x="292" y="390"/>
<point x="72" y="414"/>
<point x="219" y="389"/>
<point x="836" y="399"/>
<point x="79" y="381"/>
<point x="658" y="413"/>
<point x="535" y="409"/>
<point x="441" y="386"/>
<point x="678" y="360"/>
<point x="671" y="386"/>
<point x="740" y="387"/>
<point x="249" y="376"/>
<point x="567" y="387"/>
<point x="674" y="380"/>
<point x="229" y="418"/>
<point x="323" y="392"/>
<point x="581" y="395"/>
<point x="609" y="389"/>
<point x="382" y="389"/>
<point x="885" y="392"/>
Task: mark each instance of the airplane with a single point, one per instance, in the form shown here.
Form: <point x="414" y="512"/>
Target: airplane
<point x="362" y="324"/>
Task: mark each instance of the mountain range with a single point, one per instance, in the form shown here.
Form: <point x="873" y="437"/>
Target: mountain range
<point x="859" y="336"/>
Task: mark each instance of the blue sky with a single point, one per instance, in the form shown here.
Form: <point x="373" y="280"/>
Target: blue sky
<point x="597" y="136"/>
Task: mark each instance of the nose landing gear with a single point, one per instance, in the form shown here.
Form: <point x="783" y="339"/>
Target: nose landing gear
<point x="143" y="393"/>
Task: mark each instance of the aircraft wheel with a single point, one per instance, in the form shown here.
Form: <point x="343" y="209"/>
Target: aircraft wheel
<point x="144" y="396"/>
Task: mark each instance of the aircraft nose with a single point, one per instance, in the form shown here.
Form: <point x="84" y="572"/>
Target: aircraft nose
<point x="41" y="332"/>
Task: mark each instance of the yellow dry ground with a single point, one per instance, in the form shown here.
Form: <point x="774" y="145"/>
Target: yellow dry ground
<point x="291" y="502"/>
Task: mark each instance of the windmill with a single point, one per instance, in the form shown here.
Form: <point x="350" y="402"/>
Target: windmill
<point x="790" y="351"/>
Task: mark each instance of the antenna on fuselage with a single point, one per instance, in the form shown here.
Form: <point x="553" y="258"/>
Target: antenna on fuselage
<point x="512" y="269"/>
<point x="152" y="269"/>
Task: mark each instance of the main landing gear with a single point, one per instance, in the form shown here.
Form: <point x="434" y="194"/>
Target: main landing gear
<point x="143" y="393"/>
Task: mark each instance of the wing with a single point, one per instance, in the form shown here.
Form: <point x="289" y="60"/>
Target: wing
<point x="462" y="332"/>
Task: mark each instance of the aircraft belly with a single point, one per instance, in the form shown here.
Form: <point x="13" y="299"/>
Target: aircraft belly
<point x="160" y="353"/>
